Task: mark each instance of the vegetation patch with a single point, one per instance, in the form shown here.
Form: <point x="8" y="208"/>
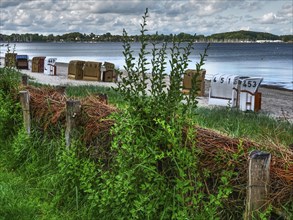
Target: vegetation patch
<point x="147" y="160"/>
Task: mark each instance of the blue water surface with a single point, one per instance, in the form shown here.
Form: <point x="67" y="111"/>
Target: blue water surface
<point x="272" y="61"/>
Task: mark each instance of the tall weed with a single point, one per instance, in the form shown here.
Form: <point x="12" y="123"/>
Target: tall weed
<point x="155" y="173"/>
<point x="10" y="109"/>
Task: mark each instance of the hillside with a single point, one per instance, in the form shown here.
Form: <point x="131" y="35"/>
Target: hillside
<point x="244" y="36"/>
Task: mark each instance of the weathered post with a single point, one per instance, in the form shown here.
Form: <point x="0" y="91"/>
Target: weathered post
<point x="24" y="79"/>
<point x="61" y="88"/>
<point x="238" y="94"/>
<point x="24" y="100"/>
<point x="258" y="184"/>
<point x="103" y="98"/>
<point x="73" y="108"/>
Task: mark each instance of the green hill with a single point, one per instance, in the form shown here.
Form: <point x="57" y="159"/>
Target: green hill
<point x="244" y="35"/>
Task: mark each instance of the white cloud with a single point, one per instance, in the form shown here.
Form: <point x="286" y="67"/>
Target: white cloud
<point x="166" y="16"/>
<point x="269" y="18"/>
<point x="23" y="19"/>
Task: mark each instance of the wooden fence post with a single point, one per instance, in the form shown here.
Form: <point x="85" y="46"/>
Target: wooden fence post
<point x="238" y="93"/>
<point x="258" y="184"/>
<point x="73" y="108"/>
<point x="61" y="89"/>
<point x="103" y="98"/>
<point x="24" y="79"/>
<point x="24" y="99"/>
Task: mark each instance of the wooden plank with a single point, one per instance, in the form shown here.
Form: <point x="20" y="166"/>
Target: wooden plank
<point x="73" y="109"/>
<point x="24" y="100"/>
<point x="258" y="184"/>
<point x="24" y="80"/>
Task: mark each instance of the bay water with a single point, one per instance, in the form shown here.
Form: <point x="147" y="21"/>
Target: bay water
<point x="272" y="61"/>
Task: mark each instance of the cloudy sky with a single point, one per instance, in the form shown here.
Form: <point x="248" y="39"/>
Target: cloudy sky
<point x="166" y="16"/>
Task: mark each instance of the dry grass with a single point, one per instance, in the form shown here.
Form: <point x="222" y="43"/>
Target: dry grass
<point x="219" y="152"/>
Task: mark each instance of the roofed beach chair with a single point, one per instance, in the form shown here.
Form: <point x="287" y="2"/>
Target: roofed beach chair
<point x="92" y="71"/>
<point x="38" y="64"/>
<point x="250" y="98"/>
<point x="22" y="61"/>
<point x="223" y="90"/>
<point x="50" y="67"/>
<point x="75" y="69"/>
<point x="200" y="81"/>
<point x="109" y="74"/>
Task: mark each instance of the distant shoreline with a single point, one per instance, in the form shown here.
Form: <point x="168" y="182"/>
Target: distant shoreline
<point x="234" y="36"/>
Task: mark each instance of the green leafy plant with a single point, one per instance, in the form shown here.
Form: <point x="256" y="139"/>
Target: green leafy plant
<point x="9" y="106"/>
<point x="155" y="168"/>
<point x="10" y="61"/>
<point x="154" y="173"/>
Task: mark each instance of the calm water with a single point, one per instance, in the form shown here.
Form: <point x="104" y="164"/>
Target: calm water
<point x="273" y="62"/>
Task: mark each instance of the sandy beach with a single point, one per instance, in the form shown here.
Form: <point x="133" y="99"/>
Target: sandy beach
<point x="275" y="102"/>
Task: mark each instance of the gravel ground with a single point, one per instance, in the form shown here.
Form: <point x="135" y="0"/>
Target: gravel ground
<point x="276" y="102"/>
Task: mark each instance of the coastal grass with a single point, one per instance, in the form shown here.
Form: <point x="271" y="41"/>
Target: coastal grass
<point x="16" y="198"/>
<point x="259" y="127"/>
<point x="30" y="180"/>
<point x="32" y="186"/>
<point x="82" y="91"/>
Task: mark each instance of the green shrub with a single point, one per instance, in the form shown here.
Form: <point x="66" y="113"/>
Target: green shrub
<point x="155" y="173"/>
<point x="10" y="109"/>
<point x="9" y="81"/>
<point x="152" y="169"/>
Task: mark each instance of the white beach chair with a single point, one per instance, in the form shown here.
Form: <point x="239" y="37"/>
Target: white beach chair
<point x="50" y="67"/>
<point x="249" y="97"/>
<point x="223" y="90"/>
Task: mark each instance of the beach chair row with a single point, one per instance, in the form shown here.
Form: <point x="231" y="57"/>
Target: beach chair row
<point x="38" y="65"/>
<point x="92" y="71"/>
<point x="15" y="60"/>
<point x="46" y="65"/>
<point x="235" y="91"/>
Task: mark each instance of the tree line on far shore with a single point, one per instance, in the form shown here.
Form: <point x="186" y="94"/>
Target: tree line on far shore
<point x="236" y="36"/>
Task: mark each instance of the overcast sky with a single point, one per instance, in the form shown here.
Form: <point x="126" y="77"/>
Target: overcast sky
<point x="166" y="16"/>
